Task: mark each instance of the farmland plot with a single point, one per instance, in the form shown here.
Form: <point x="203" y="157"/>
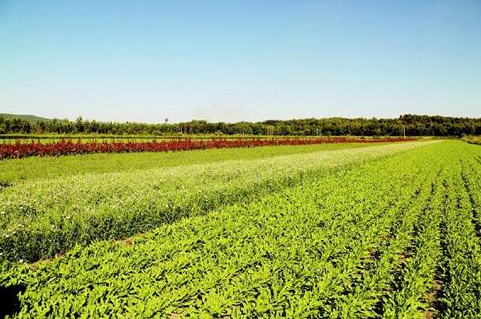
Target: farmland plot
<point x="44" y="217"/>
<point x="391" y="232"/>
<point x="15" y="170"/>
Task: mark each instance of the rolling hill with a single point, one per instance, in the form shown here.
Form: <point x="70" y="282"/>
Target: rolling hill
<point x="32" y="118"/>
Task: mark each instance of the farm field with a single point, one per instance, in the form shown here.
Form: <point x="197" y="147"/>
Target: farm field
<point x="240" y="159"/>
<point x="47" y="216"/>
<point x="318" y="231"/>
<point x="14" y="170"/>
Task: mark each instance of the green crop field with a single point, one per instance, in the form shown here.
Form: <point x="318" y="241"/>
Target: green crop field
<point x="15" y="170"/>
<point x="320" y="231"/>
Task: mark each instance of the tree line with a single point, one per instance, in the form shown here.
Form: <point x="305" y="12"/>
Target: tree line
<point x="411" y="125"/>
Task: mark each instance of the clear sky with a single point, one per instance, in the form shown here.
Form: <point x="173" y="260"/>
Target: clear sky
<point x="232" y="60"/>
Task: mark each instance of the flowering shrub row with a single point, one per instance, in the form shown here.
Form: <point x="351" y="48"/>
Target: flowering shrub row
<point x="70" y="147"/>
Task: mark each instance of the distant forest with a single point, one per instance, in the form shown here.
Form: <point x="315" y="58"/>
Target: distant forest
<point x="414" y="125"/>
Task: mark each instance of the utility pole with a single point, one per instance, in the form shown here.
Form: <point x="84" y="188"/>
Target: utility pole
<point x="404" y="131"/>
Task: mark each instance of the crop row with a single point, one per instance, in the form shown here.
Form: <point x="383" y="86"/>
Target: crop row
<point x="41" y="218"/>
<point x="394" y="237"/>
<point x="70" y="147"/>
<point x="461" y="221"/>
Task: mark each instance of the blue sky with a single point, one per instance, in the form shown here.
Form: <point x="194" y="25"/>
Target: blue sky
<point x="239" y="60"/>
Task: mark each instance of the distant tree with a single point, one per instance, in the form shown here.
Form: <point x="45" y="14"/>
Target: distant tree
<point x="413" y="124"/>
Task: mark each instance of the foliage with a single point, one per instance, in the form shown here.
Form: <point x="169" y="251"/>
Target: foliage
<point x="472" y="139"/>
<point x="412" y="125"/>
<point x="70" y="147"/>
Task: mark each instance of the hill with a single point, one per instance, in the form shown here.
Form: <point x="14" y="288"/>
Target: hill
<point x="31" y="118"/>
